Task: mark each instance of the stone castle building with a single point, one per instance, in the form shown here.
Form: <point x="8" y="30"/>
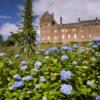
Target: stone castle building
<point x="82" y="31"/>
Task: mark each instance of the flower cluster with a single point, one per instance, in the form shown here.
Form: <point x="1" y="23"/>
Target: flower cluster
<point x="27" y="78"/>
<point x="24" y="68"/>
<point x="64" y="58"/>
<point x="17" y="56"/>
<point x="65" y="48"/>
<point x="17" y="77"/>
<point x="74" y="63"/>
<point x="23" y="62"/>
<point x="90" y="83"/>
<point x="53" y="49"/>
<point x="37" y="64"/>
<point x="42" y="79"/>
<point x="37" y="86"/>
<point x="75" y="46"/>
<point x="17" y="84"/>
<point x="66" y="89"/>
<point x="65" y="74"/>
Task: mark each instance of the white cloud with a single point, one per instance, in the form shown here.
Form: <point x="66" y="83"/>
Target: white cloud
<point x="4" y="17"/>
<point x="70" y="10"/>
<point x="6" y="28"/>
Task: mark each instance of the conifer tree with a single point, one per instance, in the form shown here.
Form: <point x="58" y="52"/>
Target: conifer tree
<point x="27" y="40"/>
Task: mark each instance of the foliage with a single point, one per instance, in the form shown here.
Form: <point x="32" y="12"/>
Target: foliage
<point x="48" y="77"/>
<point x="1" y="39"/>
<point x="27" y="39"/>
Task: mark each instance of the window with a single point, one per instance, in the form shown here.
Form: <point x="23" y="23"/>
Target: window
<point x="73" y="29"/>
<point x="42" y="38"/>
<point x="62" y="30"/>
<point x="90" y="36"/>
<point x="66" y="30"/>
<point x="48" y="38"/>
<point x="63" y="36"/>
<point x="82" y="36"/>
<point x="75" y="35"/>
<point x="55" y="31"/>
<point x="55" y="37"/>
<point x="69" y="36"/>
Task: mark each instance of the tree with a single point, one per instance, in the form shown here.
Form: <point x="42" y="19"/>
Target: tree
<point x="27" y="39"/>
<point x="1" y="39"/>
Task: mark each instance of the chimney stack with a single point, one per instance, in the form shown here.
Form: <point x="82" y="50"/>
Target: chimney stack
<point x="78" y="19"/>
<point x="60" y="20"/>
<point x="52" y="15"/>
<point x="96" y="18"/>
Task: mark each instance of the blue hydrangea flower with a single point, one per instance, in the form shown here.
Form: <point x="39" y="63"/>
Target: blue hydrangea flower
<point x="90" y="83"/>
<point x="3" y="54"/>
<point x="75" y="46"/>
<point x="94" y="46"/>
<point x="65" y="48"/>
<point x="66" y="89"/>
<point x="37" y="64"/>
<point x="23" y="62"/>
<point x="24" y="68"/>
<point x="64" y="58"/>
<point x="17" y="84"/>
<point x="47" y="52"/>
<point x="65" y="74"/>
<point x="27" y="78"/>
<point x="17" y="77"/>
<point x="42" y="79"/>
<point x="17" y="56"/>
<point x="74" y="63"/>
<point x="37" y="86"/>
<point x="53" y="49"/>
<point x="97" y="97"/>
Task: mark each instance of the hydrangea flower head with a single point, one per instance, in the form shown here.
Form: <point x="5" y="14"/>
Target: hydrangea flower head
<point x="94" y="46"/>
<point x="47" y="52"/>
<point x="42" y="79"/>
<point x="75" y="46"/>
<point x="90" y="83"/>
<point x="66" y="89"/>
<point x="3" y="54"/>
<point x="65" y="74"/>
<point x="17" y="77"/>
<point x="17" y="84"/>
<point x="37" y="86"/>
<point x="65" y="48"/>
<point x="17" y="56"/>
<point x="64" y="58"/>
<point x="24" y="68"/>
<point x="27" y="78"/>
<point x="23" y="62"/>
<point x="97" y="97"/>
<point x="37" y="64"/>
<point x="53" y="49"/>
<point x="74" y="63"/>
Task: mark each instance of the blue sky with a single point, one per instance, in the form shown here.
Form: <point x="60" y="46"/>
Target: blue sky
<point x="9" y="10"/>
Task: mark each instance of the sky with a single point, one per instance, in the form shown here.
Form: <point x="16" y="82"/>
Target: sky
<point x="70" y="10"/>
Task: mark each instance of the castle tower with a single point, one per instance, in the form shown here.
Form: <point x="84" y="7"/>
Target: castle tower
<point x="46" y="23"/>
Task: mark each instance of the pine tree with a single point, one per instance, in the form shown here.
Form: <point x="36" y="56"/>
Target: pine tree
<point x="27" y="40"/>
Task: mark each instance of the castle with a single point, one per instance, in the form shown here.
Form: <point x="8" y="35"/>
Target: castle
<point x="82" y="31"/>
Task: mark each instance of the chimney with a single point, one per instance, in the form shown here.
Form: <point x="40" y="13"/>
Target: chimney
<point x="78" y="19"/>
<point x="96" y="18"/>
<point x="52" y="15"/>
<point x="60" y="20"/>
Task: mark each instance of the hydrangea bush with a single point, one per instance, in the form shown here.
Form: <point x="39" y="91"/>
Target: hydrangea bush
<point x="54" y="74"/>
